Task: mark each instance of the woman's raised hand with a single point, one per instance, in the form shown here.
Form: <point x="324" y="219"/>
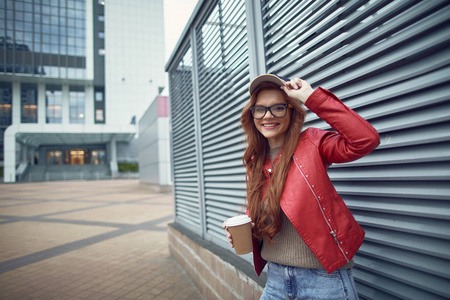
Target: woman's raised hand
<point x="298" y="89"/>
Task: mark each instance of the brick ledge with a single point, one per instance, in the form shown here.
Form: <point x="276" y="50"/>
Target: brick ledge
<point x="216" y="271"/>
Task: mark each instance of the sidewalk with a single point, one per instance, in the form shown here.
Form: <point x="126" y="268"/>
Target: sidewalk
<point x="87" y="240"/>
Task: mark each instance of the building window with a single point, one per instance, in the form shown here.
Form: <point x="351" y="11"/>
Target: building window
<point x="99" y="105"/>
<point x="98" y="157"/>
<point x="76" y="102"/>
<point x="54" y="157"/>
<point x="102" y="2"/>
<point x="2" y="134"/>
<point x="98" y="96"/>
<point x="101" y="52"/>
<point x="53" y="99"/>
<point x="5" y="104"/>
<point x="29" y="103"/>
<point x="99" y="116"/>
<point x="101" y="35"/>
<point x="101" y="18"/>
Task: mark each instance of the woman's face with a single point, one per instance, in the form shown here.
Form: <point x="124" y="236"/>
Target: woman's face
<point x="273" y="129"/>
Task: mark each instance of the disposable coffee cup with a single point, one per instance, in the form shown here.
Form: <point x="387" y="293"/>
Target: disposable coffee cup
<point x="240" y="228"/>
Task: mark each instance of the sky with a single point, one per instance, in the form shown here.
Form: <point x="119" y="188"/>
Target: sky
<point x="176" y="15"/>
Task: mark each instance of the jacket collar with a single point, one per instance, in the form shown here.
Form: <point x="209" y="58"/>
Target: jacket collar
<point x="268" y="167"/>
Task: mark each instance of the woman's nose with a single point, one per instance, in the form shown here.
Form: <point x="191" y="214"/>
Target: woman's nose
<point x="268" y="114"/>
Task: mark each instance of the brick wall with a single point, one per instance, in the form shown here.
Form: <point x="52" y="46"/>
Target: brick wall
<point x="213" y="269"/>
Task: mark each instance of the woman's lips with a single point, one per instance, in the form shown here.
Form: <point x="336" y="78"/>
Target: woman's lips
<point x="270" y="125"/>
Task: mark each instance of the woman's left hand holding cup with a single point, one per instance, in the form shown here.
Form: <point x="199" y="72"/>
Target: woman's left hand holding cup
<point x="228" y="234"/>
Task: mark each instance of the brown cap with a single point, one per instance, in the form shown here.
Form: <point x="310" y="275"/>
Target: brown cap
<point x="266" y="78"/>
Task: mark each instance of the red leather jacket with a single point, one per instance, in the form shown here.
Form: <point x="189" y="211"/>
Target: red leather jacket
<point x="309" y="199"/>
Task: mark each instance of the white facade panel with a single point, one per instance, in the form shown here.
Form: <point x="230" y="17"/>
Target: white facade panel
<point x="164" y="151"/>
<point x="154" y="145"/>
<point x="134" y="58"/>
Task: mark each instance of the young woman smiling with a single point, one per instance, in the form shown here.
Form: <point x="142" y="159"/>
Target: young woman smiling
<point x="301" y="226"/>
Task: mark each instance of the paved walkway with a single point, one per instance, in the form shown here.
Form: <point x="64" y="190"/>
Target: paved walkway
<point x="87" y="240"/>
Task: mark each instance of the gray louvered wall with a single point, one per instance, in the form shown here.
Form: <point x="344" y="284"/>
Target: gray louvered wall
<point x="184" y="149"/>
<point x="223" y="77"/>
<point x="387" y="60"/>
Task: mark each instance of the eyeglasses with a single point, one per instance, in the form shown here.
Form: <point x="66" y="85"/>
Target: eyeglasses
<point x="277" y="110"/>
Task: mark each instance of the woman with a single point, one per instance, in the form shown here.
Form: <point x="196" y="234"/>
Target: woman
<point x="301" y="226"/>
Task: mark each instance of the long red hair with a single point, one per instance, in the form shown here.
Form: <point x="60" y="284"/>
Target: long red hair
<point x="266" y="213"/>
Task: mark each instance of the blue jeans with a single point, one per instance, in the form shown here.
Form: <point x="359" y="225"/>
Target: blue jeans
<point x="286" y="282"/>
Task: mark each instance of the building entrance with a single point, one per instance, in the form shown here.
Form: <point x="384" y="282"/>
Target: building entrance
<point x="77" y="157"/>
<point x="91" y="155"/>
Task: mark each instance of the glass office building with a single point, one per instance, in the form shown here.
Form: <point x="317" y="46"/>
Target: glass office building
<point x="44" y="37"/>
<point x="75" y="75"/>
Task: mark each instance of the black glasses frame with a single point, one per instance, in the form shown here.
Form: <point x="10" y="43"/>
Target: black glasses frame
<point x="269" y="108"/>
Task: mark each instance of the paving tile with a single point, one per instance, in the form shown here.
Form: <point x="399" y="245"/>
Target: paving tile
<point x="42" y="208"/>
<point x="6" y="202"/>
<point x="108" y="197"/>
<point x="123" y="213"/>
<point x="76" y="243"/>
<point x="24" y="238"/>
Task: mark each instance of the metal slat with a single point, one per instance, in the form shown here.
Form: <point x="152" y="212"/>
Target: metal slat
<point x="416" y="283"/>
<point x="215" y="144"/>
<point x="228" y="164"/>
<point x="400" y="206"/>
<point x="403" y="223"/>
<point x="366" y="57"/>
<point x="427" y="86"/>
<point x="287" y="45"/>
<point x="437" y="171"/>
<point x="403" y="240"/>
<point x="227" y="138"/>
<point x="224" y="203"/>
<point x="219" y="171"/>
<point x="391" y="57"/>
<point x="223" y="155"/>
<point x="408" y="259"/>
<point x="222" y="112"/>
<point x="321" y="42"/>
<point x="358" y="44"/>
<point x="411" y="154"/>
<point x="413" y="136"/>
<point x="230" y="190"/>
<point x="423" y="190"/>
<point x="377" y="287"/>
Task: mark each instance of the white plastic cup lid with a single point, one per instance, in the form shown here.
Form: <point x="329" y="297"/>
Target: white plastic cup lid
<point x="238" y="220"/>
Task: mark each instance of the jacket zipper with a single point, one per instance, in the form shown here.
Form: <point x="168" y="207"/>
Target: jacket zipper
<point x="332" y="232"/>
